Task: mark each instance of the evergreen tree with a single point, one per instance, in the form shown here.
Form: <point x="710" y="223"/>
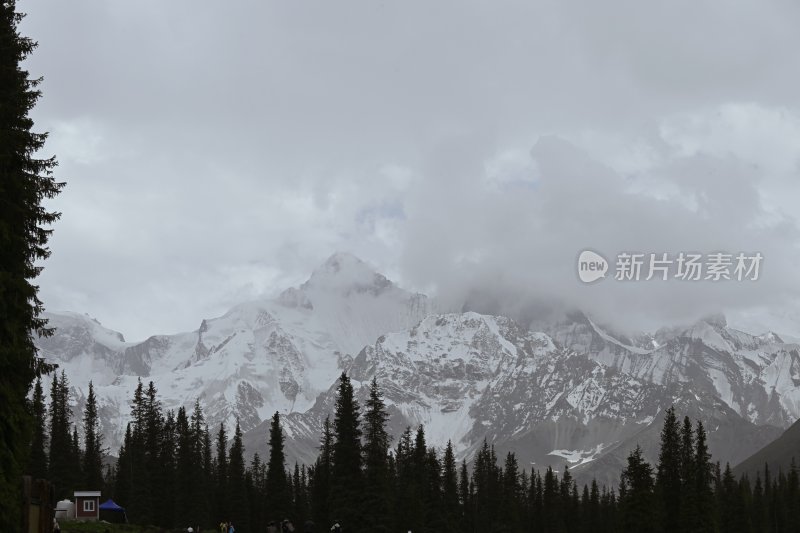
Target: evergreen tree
<point x="793" y="497"/>
<point x="702" y="491"/>
<point x="124" y="470"/>
<point x="732" y="505"/>
<point x="689" y="505"/>
<point x="408" y="509"/>
<point x="510" y="513"/>
<point x="759" y="508"/>
<point x="277" y="484"/>
<point x="62" y="467"/>
<point x="321" y="477"/>
<point x="537" y="503"/>
<point x="552" y="517"/>
<point x="184" y="469"/>
<point x="93" y="444"/>
<point x="138" y="411"/>
<point x="76" y="459"/>
<point x="592" y="513"/>
<point x="450" y="491"/>
<point x="199" y="493"/>
<point x="434" y="517"/>
<point x="375" y="497"/>
<point x="139" y="507"/>
<point x="257" y="492"/>
<point x="24" y="183"/>
<point x="569" y="500"/>
<point x="221" y="475"/>
<point x="165" y="476"/>
<point x="300" y="494"/>
<point x="152" y="429"/>
<point x="208" y="460"/>
<point x="465" y="497"/>
<point x="668" y="475"/>
<point x="346" y="472"/>
<point x="37" y="461"/>
<point x="636" y="494"/>
<point x="419" y="472"/>
<point x="237" y="483"/>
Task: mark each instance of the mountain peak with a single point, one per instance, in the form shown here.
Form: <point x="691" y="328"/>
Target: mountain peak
<point x="342" y="261"/>
<point x="716" y="320"/>
<point x="345" y="271"/>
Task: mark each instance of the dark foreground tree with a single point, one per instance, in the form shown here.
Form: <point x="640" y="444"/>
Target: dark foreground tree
<point x="62" y="469"/>
<point x="93" y="444"/>
<point x="375" y="498"/>
<point x="668" y="486"/>
<point x="346" y="471"/>
<point x="237" y="482"/>
<point x="24" y="182"/>
<point x="37" y="461"/>
<point x="277" y="484"/>
<point x="636" y="498"/>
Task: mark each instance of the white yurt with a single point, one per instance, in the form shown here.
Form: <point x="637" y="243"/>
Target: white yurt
<point x="65" y="510"/>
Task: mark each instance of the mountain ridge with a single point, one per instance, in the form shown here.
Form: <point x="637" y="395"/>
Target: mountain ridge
<point x="574" y="392"/>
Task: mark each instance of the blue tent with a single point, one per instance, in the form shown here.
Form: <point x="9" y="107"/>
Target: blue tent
<point x="111" y="512"/>
<point x="110" y="505"/>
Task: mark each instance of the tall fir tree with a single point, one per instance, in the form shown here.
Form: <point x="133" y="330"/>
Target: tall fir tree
<point x="668" y="475"/>
<point x="321" y="477"/>
<point x="299" y="495"/>
<point x="62" y="467"/>
<point x="93" y="444"/>
<point x="277" y="484"/>
<point x="237" y="483"/>
<point x="25" y="182"/>
<point x="636" y="497"/>
<point x="199" y="491"/>
<point x="552" y="518"/>
<point x="221" y="497"/>
<point x="408" y="509"/>
<point x="510" y="512"/>
<point x="346" y="472"/>
<point x="257" y="492"/>
<point x="77" y="477"/>
<point x="434" y="517"/>
<point x="124" y="470"/>
<point x="375" y="496"/>
<point x="165" y="476"/>
<point x="187" y="469"/>
<point x="450" y="491"/>
<point x="208" y="464"/>
<point x="139" y="506"/>
<point x="37" y="461"/>
<point x="702" y="491"/>
<point x="689" y="505"/>
<point x="465" y="497"/>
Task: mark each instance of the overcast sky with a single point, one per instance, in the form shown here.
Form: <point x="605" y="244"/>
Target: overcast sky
<point x="219" y="151"/>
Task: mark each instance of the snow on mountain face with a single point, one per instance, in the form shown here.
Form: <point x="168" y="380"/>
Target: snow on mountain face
<point x="756" y="376"/>
<point x="577" y="392"/>
<point x="258" y="358"/>
<point x="469" y="377"/>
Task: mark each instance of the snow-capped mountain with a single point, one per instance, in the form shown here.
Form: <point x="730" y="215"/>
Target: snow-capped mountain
<point x="576" y="392"/>
<point x="258" y="358"/>
<point x="470" y="377"/>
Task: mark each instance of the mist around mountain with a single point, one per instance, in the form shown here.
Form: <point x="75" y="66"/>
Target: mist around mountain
<point x="559" y="390"/>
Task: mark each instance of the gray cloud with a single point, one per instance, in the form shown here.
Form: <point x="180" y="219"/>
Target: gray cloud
<point x="219" y="152"/>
